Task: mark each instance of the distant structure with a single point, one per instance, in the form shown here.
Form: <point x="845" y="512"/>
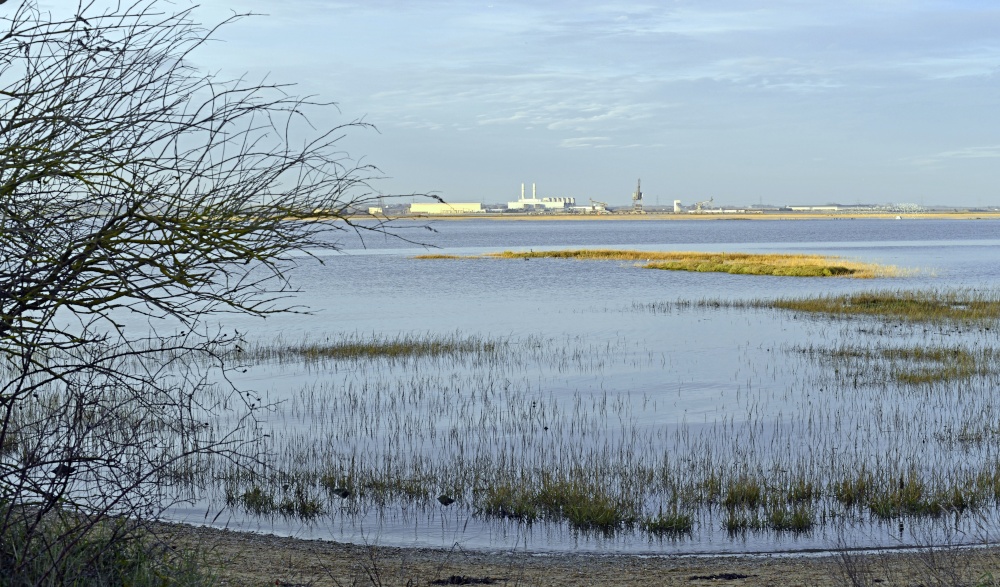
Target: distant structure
<point x="597" y="207"/>
<point x="677" y="207"/>
<point x="637" y="198"/>
<point x="534" y="203"/>
<point x="447" y="208"/>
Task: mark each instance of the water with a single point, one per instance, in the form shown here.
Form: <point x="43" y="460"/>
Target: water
<point x="705" y="389"/>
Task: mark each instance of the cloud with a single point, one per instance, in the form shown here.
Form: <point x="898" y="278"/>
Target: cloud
<point x="599" y="143"/>
<point x="580" y="142"/>
<point x="991" y="152"/>
<point x="987" y="152"/>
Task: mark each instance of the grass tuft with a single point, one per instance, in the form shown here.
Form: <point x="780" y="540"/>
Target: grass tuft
<point x="584" y="505"/>
<point x="672" y="524"/>
<point x="744" y="492"/>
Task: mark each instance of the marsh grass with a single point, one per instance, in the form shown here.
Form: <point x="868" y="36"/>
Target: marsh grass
<point x="266" y="501"/>
<point x="378" y="438"/>
<point x="355" y="347"/>
<point x="583" y="505"/>
<point x="740" y="522"/>
<point x="796" y="519"/>
<point x="855" y="490"/>
<point x="955" y="306"/>
<point x="775" y="264"/>
<point x="909" y="498"/>
<point x="745" y="492"/>
<point x="672" y="524"/>
<point x="963" y="306"/>
<point x="908" y="366"/>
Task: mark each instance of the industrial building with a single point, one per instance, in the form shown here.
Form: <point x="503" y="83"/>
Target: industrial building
<point x="534" y="203"/>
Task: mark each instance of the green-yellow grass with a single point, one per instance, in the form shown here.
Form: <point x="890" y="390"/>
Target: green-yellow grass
<point x="734" y="263"/>
<point x="919" y="306"/>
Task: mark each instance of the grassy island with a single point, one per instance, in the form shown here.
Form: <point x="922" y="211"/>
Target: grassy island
<point x="785" y="265"/>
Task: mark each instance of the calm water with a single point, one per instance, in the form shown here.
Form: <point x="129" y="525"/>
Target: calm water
<point x="723" y="388"/>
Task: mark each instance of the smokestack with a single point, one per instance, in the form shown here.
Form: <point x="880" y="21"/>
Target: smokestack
<point x="532" y="190"/>
<point x="522" y="190"/>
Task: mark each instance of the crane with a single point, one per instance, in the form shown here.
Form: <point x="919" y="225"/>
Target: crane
<point x="637" y="198"/>
<point x="697" y="207"/>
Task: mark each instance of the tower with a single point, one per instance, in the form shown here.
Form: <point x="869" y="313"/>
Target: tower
<point x="637" y="198"/>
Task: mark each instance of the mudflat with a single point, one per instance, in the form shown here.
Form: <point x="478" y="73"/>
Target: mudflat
<point x="239" y="558"/>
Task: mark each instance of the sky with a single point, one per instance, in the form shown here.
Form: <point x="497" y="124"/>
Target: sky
<point x="781" y="102"/>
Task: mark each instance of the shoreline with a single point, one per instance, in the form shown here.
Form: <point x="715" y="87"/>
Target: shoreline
<point x="702" y="217"/>
<point x="245" y="558"/>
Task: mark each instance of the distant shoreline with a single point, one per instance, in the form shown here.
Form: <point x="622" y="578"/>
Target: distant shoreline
<point x="734" y="216"/>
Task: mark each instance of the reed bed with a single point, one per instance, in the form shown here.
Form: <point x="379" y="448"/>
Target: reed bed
<point x="915" y="365"/>
<point x="493" y="440"/>
<point x="355" y="346"/>
<point x="775" y="264"/>
<point x="875" y="426"/>
<point x="960" y="307"/>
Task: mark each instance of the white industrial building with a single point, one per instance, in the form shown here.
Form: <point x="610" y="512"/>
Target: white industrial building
<point x="534" y="203"/>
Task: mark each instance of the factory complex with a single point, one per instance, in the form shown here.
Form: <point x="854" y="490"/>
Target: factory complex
<point x="535" y="205"/>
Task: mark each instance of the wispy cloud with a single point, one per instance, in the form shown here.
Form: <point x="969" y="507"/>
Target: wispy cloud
<point x="582" y="142"/>
<point x="990" y="152"/>
<point x="986" y="152"/>
<point x="601" y="143"/>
